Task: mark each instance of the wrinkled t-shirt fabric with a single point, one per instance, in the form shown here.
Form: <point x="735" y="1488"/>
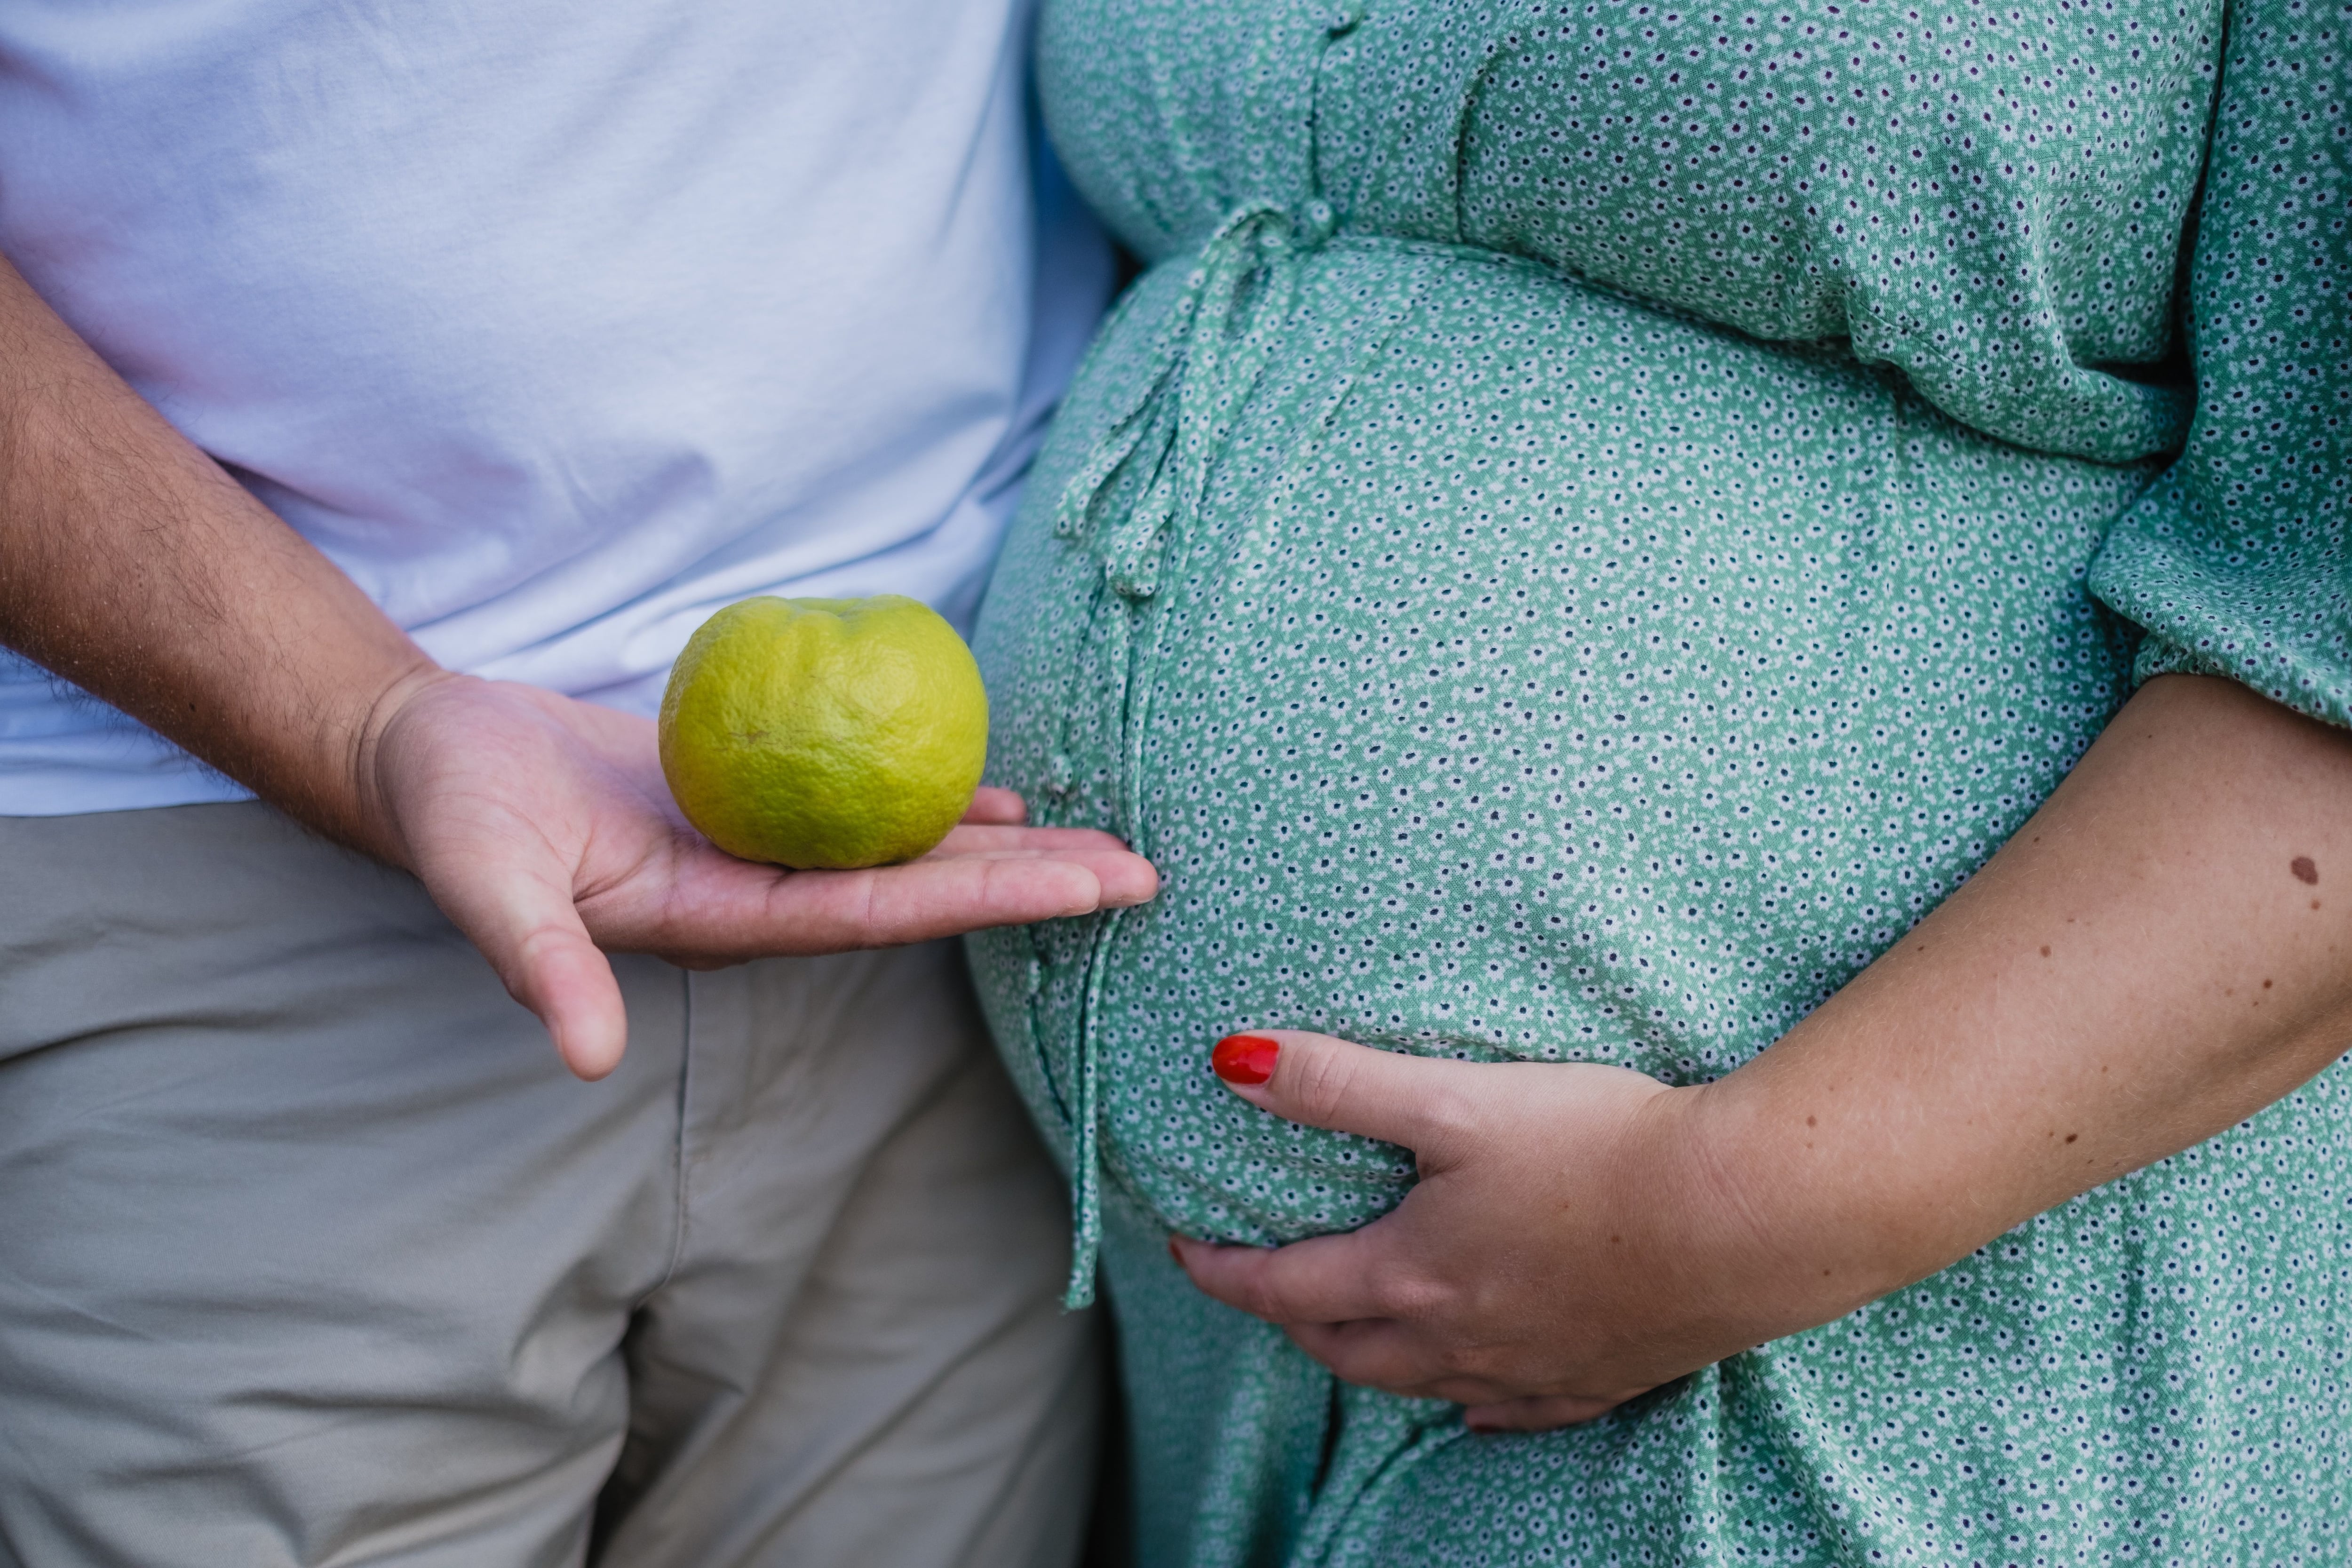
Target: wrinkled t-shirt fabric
<point x="556" y="328"/>
<point x="1596" y="518"/>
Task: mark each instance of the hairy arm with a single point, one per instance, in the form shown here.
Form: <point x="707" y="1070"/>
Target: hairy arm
<point x="2163" y="950"/>
<point x="134" y="566"/>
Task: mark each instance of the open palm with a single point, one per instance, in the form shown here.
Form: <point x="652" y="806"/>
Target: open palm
<point x="541" y="826"/>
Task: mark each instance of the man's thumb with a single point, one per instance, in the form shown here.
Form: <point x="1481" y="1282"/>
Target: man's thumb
<point x="1324" y="1081"/>
<point x="528" y="927"/>
<point x="559" y="974"/>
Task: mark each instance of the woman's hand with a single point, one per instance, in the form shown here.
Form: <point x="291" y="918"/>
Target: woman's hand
<point x="1554" y="1260"/>
<point x="2164" y="949"/>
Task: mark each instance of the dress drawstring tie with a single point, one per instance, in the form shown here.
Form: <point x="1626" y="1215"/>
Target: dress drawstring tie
<point x="1207" y="359"/>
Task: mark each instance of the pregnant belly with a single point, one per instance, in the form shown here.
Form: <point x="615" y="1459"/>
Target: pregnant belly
<point x="1538" y="676"/>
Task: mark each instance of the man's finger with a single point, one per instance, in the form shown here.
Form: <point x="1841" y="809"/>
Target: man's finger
<point x="1324" y="1279"/>
<point x="722" y="908"/>
<point x="997" y="838"/>
<point x="569" y="984"/>
<point x="1328" y="1082"/>
<point x="952" y="894"/>
<point x="990" y="804"/>
<point x="528" y="927"/>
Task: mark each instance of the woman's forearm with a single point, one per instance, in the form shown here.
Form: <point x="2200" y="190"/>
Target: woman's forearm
<point x="2163" y="950"/>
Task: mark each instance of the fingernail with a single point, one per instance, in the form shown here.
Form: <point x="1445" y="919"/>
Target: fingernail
<point x="1244" y="1058"/>
<point x="1484" y="1431"/>
<point x="1174" y="1254"/>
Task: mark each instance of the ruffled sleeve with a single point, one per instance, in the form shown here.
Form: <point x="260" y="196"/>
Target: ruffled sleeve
<point x="2236" y="560"/>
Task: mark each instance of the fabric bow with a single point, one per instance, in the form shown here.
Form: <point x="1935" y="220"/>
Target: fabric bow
<point x="1203" y="365"/>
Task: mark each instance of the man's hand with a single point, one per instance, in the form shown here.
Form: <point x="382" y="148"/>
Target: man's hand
<point x="133" y="565"/>
<point x="543" y="829"/>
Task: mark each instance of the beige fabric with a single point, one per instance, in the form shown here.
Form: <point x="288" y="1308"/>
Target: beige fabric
<point x="309" y="1252"/>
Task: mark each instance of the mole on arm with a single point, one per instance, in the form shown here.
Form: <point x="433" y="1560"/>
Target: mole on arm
<point x="2305" y="870"/>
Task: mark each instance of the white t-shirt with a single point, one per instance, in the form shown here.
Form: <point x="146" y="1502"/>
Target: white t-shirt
<point x="556" y="326"/>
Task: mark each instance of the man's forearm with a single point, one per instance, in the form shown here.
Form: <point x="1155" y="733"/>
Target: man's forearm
<point x="2165" y="949"/>
<point x="133" y="565"/>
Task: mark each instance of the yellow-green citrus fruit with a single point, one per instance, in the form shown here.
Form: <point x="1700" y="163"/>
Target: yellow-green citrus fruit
<point x="824" y="733"/>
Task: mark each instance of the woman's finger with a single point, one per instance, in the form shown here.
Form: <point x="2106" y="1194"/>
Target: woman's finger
<point x="1328" y="1082"/>
<point x="1324" y="1279"/>
<point x="1542" y="1412"/>
<point x="1405" y="1359"/>
<point x="1381" y="1352"/>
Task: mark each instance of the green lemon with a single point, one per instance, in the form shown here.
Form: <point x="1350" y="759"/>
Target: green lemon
<point x="824" y="733"/>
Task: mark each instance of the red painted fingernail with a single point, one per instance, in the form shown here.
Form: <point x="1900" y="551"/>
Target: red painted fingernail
<point x="1174" y="1254"/>
<point x="1244" y="1058"/>
<point x="1484" y="1431"/>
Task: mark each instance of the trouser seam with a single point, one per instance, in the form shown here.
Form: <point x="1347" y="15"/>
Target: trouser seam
<point x="678" y="1153"/>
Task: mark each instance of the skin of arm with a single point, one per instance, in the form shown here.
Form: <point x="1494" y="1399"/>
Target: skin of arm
<point x="135" y="567"/>
<point x="2164" y="949"/>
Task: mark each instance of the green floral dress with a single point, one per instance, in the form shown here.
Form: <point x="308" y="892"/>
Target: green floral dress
<point x="1596" y="517"/>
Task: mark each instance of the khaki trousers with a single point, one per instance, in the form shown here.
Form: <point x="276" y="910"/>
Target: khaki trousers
<point x="310" y="1252"/>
